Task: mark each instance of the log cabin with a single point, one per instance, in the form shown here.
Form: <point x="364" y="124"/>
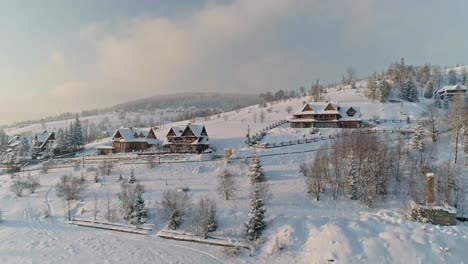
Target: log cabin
<point x="128" y="139"/>
<point x="44" y="141"/>
<point x="326" y="114"/>
<point x="189" y="139"/>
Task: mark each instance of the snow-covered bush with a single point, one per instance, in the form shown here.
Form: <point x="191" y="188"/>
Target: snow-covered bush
<point x="231" y="252"/>
<point x="280" y="240"/>
<point x="32" y="183"/>
<point x="175" y="205"/>
<point x="17" y="186"/>
<point x="132" y="203"/>
<point x="205" y="217"/>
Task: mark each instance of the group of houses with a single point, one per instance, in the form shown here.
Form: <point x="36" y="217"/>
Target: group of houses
<point x="28" y="147"/>
<point x="191" y="138"/>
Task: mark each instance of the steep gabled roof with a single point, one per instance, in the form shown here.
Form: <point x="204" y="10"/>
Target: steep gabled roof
<point x="44" y="137"/>
<point x="129" y="134"/>
<point x="319" y="108"/>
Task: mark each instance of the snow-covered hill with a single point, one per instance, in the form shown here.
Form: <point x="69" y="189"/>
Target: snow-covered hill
<point x="341" y="231"/>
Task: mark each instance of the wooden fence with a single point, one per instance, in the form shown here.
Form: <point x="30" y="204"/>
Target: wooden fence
<point x="331" y="136"/>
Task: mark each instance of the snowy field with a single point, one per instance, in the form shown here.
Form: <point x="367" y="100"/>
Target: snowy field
<point x="341" y="231"/>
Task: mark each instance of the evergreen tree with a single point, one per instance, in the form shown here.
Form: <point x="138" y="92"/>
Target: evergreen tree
<point x="409" y="92"/>
<point x="452" y="76"/>
<point x="446" y="102"/>
<point x="256" y="222"/>
<point x="417" y="138"/>
<point x="437" y="101"/>
<point x="76" y="134"/>
<point x="24" y="148"/>
<point x="3" y="140"/>
<point x="352" y="180"/>
<point x="138" y="216"/>
<point x="383" y="90"/>
<point x="428" y="89"/>
<point x="255" y="171"/>
<point x="132" y="179"/>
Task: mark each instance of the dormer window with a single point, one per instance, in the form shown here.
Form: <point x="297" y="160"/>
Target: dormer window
<point x="351" y="112"/>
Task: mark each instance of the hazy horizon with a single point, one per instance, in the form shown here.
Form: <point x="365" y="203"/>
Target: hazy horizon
<point x="62" y="56"/>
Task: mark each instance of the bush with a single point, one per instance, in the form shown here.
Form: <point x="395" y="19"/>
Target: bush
<point x="18" y="186"/>
<point x="175" y="205"/>
<point x="32" y="183"/>
<point x="231" y="252"/>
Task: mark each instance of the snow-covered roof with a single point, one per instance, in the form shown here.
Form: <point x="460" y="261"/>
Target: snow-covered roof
<point x="177" y="130"/>
<point x="457" y="87"/>
<point x="319" y="108"/>
<point x="329" y="108"/>
<point x="196" y="129"/>
<point x="43" y="138"/>
<point x="130" y="134"/>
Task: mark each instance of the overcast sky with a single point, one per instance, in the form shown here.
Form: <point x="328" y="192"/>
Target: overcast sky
<point x="59" y="55"/>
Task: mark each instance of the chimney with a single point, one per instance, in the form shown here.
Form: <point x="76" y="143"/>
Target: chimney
<point x="430" y="188"/>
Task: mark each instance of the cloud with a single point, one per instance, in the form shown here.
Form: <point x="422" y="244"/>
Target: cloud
<point x="57" y="57"/>
<point x="236" y="46"/>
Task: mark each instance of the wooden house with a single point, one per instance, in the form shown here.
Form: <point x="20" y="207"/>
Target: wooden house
<point x="128" y="139"/>
<point x="450" y="91"/>
<point x="326" y="114"/>
<point x="189" y="139"/>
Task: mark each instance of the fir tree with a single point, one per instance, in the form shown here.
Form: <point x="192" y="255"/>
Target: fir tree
<point x="138" y="216"/>
<point x="446" y="102"/>
<point x="352" y="181"/>
<point x="409" y="92"/>
<point x="255" y="171"/>
<point x="132" y="179"/>
<point x="256" y="222"/>
<point x="417" y="138"/>
<point x="437" y="101"/>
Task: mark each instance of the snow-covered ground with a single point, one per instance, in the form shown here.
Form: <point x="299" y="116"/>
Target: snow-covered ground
<point x="341" y="230"/>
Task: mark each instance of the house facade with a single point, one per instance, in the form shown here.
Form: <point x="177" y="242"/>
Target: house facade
<point x="44" y="142"/>
<point x="326" y="115"/>
<point x="128" y="139"/>
<point x="450" y="91"/>
<point x="189" y="139"/>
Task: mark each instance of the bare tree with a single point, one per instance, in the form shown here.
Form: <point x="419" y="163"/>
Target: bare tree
<point x="262" y="116"/>
<point x="227" y="185"/>
<point x="314" y="173"/>
<point x="69" y="188"/>
<point x="128" y="197"/>
<point x="32" y="183"/>
<point x="175" y="205"/>
<point x="432" y="123"/>
<point x="456" y="120"/>
<point x="17" y="186"/>
<point x="95" y="209"/>
<point x="205" y="217"/>
<point x="350" y="72"/>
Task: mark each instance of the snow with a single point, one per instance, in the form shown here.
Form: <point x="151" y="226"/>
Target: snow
<point x="341" y="230"/>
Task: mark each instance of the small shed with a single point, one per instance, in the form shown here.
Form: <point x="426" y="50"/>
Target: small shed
<point x="105" y="150"/>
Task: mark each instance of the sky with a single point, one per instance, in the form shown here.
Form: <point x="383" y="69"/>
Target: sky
<point x="63" y="55"/>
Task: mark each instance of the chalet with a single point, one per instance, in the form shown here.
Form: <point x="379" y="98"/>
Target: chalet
<point x="189" y="139"/>
<point x="128" y="139"/>
<point x="450" y="91"/>
<point x="44" y="141"/>
<point x="326" y="114"/>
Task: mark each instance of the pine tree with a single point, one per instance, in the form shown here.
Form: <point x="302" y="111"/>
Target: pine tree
<point x="138" y="215"/>
<point x="76" y="134"/>
<point x="428" y="89"/>
<point x="132" y="179"/>
<point x="409" y="92"/>
<point x="256" y="222"/>
<point x="352" y="181"/>
<point x="3" y="140"/>
<point x="446" y="102"/>
<point x="417" y="138"/>
<point x="24" y="148"/>
<point x="255" y="171"/>
<point x="383" y="90"/>
<point x="437" y="101"/>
